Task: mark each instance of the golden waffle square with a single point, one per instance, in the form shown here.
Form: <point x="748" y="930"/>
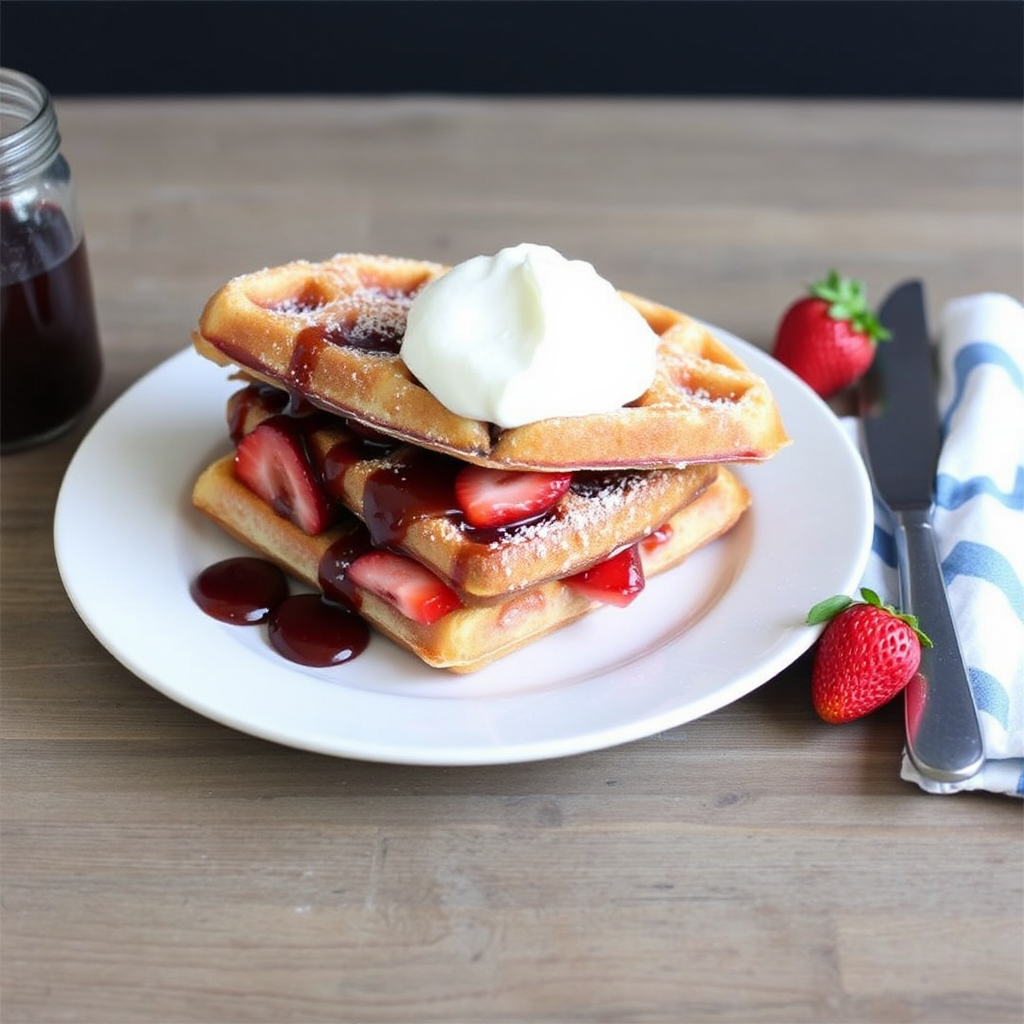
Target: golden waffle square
<point x="331" y="332"/>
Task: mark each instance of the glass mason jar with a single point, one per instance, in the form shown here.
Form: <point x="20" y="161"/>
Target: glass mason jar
<point x="50" y="360"/>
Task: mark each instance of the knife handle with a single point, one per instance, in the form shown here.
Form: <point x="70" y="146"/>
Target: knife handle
<point x="943" y="734"/>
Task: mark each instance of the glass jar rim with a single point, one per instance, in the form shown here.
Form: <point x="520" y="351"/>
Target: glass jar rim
<point x="34" y="141"/>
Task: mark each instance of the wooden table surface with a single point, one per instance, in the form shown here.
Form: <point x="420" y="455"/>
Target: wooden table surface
<point x="754" y="865"/>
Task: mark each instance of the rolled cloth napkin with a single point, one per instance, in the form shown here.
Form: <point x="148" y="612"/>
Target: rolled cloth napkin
<point x="978" y="525"/>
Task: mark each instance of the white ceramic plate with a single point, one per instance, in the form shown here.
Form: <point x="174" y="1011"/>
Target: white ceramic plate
<point x="128" y="544"/>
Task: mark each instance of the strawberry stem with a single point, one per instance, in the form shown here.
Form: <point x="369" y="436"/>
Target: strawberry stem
<point x="847" y="299"/>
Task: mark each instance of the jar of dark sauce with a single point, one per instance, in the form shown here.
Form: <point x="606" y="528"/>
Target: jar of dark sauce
<point x="50" y="361"/>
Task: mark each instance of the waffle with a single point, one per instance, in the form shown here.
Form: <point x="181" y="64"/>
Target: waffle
<point x="470" y="637"/>
<point x="331" y="332"/>
<point x="600" y="513"/>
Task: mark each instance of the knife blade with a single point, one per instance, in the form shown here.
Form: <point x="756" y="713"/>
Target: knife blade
<point x="902" y="436"/>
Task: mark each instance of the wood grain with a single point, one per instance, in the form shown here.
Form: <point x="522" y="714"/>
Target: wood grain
<point x="753" y="865"/>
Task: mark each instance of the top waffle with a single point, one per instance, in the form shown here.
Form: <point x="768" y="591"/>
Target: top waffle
<point x="331" y="333"/>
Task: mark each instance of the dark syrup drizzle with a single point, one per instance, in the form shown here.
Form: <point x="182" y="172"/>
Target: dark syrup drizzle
<point x="396" y="496"/>
<point x="332" y="572"/>
<point x="384" y="336"/>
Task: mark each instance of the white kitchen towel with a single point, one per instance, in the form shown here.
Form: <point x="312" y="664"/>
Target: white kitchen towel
<point x="979" y="525"/>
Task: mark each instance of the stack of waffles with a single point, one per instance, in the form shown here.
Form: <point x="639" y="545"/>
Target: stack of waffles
<point x="460" y="541"/>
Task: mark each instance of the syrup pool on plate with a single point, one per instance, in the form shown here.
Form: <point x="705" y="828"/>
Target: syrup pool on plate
<point x="241" y="591"/>
<point x="304" y="628"/>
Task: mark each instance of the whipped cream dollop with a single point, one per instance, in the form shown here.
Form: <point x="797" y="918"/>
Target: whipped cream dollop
<point x="527" y="335"/>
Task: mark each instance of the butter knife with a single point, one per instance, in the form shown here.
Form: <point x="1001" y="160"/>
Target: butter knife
<point x="901" y="432"/>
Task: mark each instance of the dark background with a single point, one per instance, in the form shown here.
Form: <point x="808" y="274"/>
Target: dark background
<point x="830" y="48"/>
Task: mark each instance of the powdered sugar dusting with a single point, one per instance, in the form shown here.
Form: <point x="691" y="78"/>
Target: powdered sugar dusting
<point x="365" y="314"/>
<point x="384" y="316"/>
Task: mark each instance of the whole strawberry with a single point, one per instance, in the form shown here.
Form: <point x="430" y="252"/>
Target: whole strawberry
<point x="866" y="655"/>
<point x="828" y="338"/>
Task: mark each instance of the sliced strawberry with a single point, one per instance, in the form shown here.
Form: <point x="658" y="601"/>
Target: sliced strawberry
<point x="272" y="461"/>
<point x="662" y="535"/>
<point x="616" y="580"/>
<point x="498" y="497"/>
<point x="406" y="585"/>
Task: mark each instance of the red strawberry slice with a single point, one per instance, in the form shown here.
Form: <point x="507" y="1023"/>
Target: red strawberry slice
<point x="499" y="497"/>
<point x="406" y="585"/>
<point x="662" y="535"/>
<point x="272" y="462"/>
<point x="616" y="580"/>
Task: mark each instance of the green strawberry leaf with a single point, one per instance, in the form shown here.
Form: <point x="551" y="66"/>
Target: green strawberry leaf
<point x="870" y="326"/>
<point x="828" y="609"/>
<point x="911" y="621"/>
<point x="870" y="597"/>
<point x="847" y="299"/>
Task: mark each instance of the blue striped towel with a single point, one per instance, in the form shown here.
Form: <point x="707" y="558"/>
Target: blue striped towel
<point x="979" y="525"/>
